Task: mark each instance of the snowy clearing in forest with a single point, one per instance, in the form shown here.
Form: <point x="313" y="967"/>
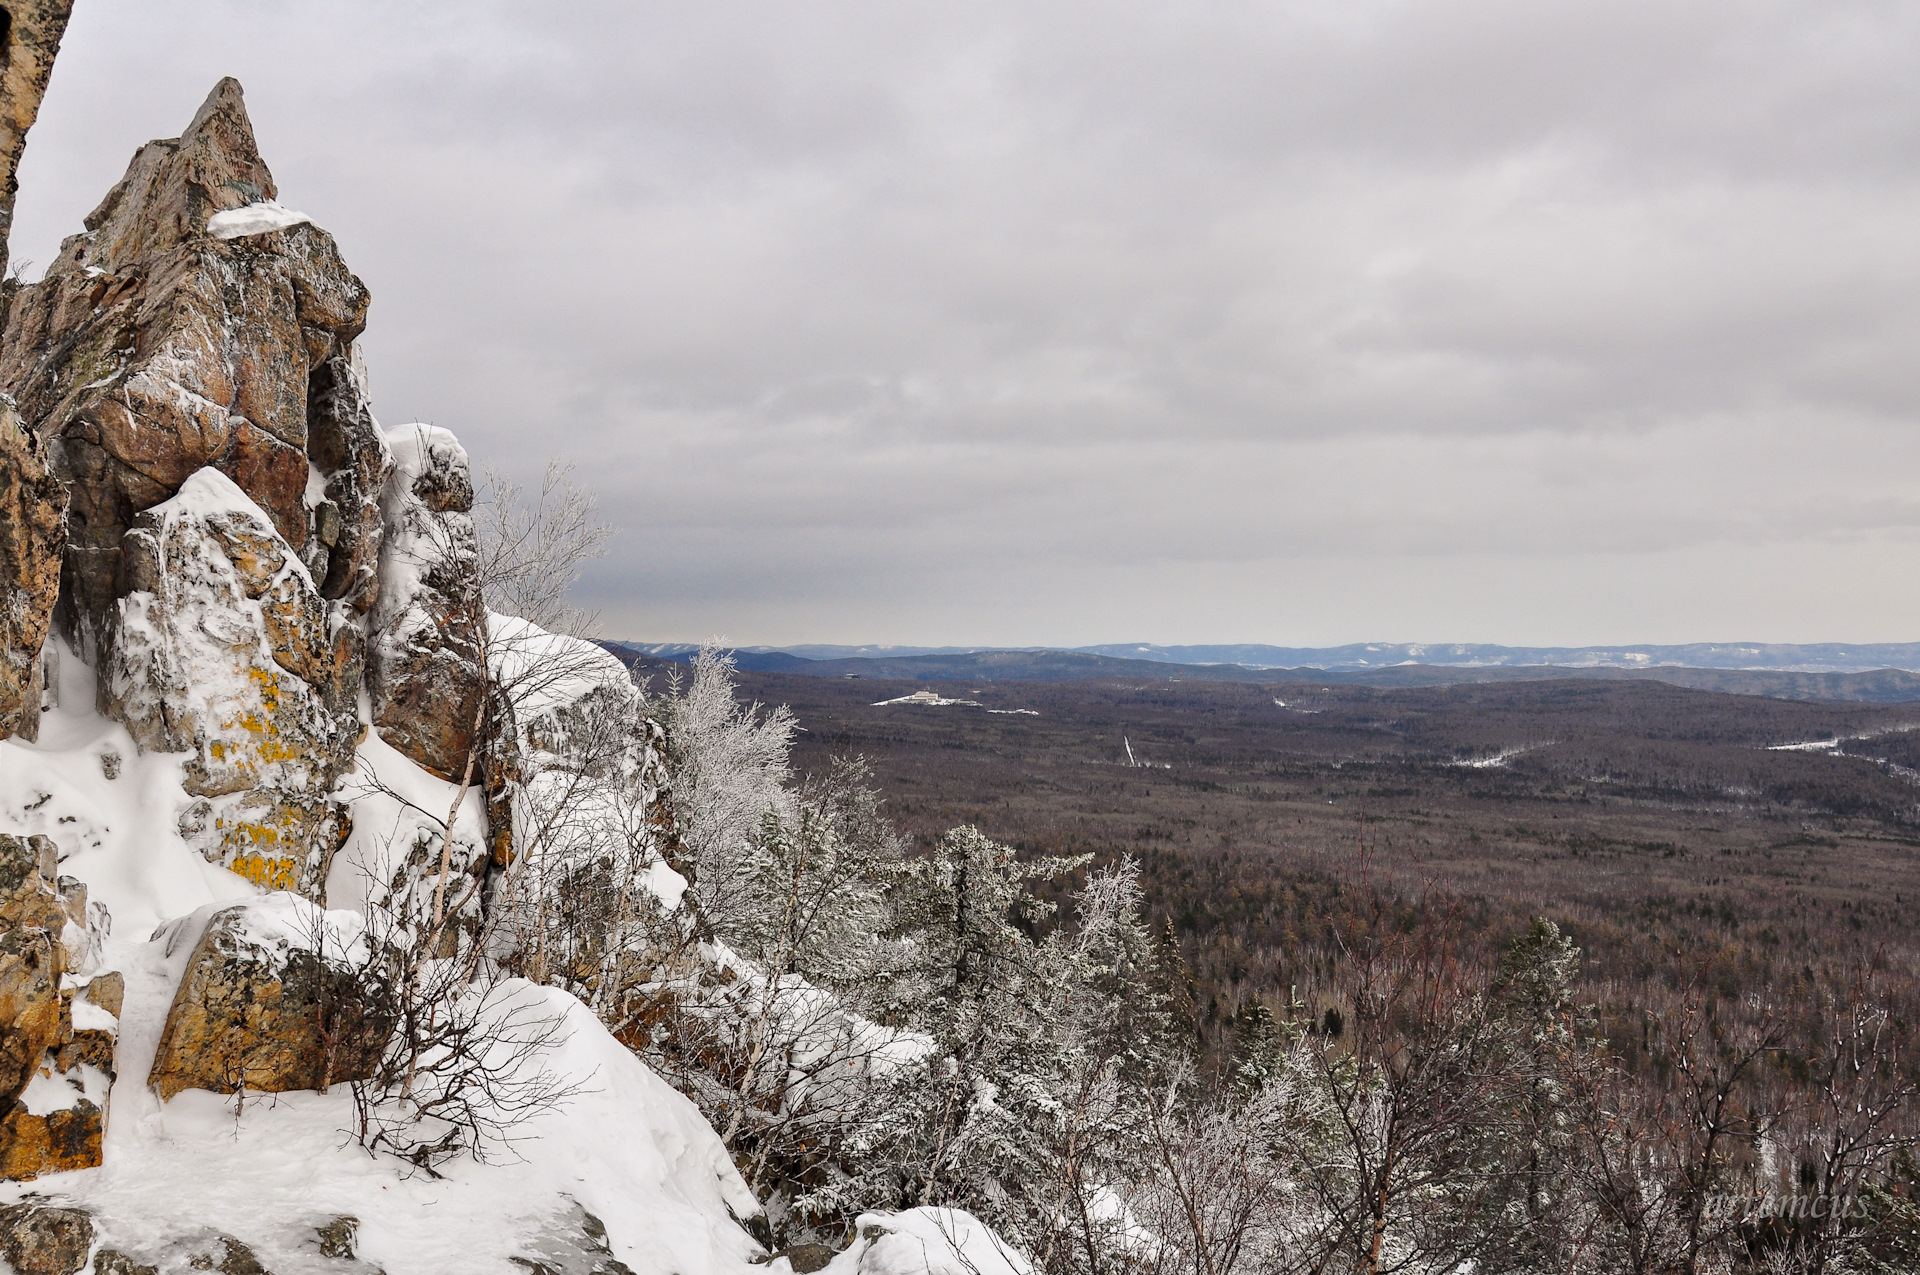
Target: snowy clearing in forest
<point x="933" y="699"/>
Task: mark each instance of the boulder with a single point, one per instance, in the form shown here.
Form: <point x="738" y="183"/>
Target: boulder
<point x="339" y="1237"/>
<point x="224" y="649"/>
<point x="38" y="1238"/>
<point x="33" y="534"/>
<point x="56" y="1057"/>
<point x="57" y="1140"/>
<point x="426" y="669"/>
<point x="32" y="38"/>
<point x="179" y="331"/>
<point x="271" y="999"/>
<point x="805" y="1259"/>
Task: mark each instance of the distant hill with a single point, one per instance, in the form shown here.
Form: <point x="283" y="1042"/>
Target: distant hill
<point x="1778" y="657"/>
<point x="1878" y="686"/>
<point x="1821" y="657"/>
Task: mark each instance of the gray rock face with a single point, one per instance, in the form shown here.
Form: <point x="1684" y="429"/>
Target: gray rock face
<point x="33" y="534"/>
<point x="155" y="347"/>
<point x="573" y="1243"/>
<point x="225" y="649"/>
<point x="45" y="1239"/>
<point x="426" y="666"/>
<point x="345" y="445"/>
<point x="34" y="28"/>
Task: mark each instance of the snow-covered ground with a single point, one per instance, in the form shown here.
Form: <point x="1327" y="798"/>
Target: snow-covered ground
<point x="274" y="1167"/>
<point x="626" y="1148"/>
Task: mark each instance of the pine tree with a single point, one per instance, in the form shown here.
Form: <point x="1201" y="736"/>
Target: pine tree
<point x="1170" y="982"/>
<point x="1258" y="1046"/>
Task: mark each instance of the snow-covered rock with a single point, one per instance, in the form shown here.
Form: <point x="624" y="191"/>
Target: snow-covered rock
<point x="425" y="671"/>
<point x="579" y="777"/>
<point x="226" y="651"/>
<point x="565" y="706"/>
<point x="405" y="822"/>
<point x="927" y="1241"/>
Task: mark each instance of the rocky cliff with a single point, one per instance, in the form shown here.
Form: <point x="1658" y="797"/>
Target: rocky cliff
<point x="243" y="666"/>
<point x="32" y="503"/>
<point x="299" y="843"/>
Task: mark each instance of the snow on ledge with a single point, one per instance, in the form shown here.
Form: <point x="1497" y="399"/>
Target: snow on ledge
<point x="208" y="491"/>
<point x="253" y="219"/>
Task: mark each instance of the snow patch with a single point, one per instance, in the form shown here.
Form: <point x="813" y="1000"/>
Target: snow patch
<point x="395" y="803"/>
<point x="927" y="1241"/>
<point x="1500" y="758"/>
<point x="120" y="836"/>
<point x="253" y="219"/>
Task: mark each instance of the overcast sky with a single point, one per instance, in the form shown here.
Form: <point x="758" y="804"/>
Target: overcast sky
<point x="1042" y="322"/>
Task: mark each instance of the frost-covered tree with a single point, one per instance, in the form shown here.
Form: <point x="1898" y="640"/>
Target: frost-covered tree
<point x="730" y="770"/>
<point x="1042" y="1041"/>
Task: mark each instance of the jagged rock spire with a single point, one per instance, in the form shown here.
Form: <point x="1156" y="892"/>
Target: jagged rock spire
<point x="155" y="347"/>
<point x="174" y="185"/>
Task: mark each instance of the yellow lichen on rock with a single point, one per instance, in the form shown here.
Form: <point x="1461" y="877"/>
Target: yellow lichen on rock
<point x="269" y="874"/>
<point x="255" y="997"/>
<point x="225" y="650"/>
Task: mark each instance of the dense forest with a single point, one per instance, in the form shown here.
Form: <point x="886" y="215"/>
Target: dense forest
<point x="1713" y="931"/>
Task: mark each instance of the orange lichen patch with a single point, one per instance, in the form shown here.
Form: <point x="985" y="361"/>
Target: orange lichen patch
<point x="271" y="874"/>
<point x="57" y="1142"/>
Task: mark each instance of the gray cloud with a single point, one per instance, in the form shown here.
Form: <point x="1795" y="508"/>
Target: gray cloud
<point x="1078" y="322"/>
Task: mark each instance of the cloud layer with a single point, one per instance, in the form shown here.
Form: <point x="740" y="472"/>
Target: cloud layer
<point x="1064" y="323"/>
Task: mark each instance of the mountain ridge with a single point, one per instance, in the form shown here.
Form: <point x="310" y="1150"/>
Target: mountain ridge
<point x="1781" y="657"/>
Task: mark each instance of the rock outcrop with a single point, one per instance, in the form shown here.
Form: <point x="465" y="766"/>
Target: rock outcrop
<point x="224" y="648"/>
<point x="30" y="32"/>
<point x="270" y="1000"/>
<point x="182" y="330"/>
<point x="56" y="1052"/>
<point x="33" y="533"/>
<point x="426" y="668"/>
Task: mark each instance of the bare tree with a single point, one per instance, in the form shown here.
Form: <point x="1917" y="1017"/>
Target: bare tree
<point x="1847" y="1136"/>
<point x="534" y="547"/>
